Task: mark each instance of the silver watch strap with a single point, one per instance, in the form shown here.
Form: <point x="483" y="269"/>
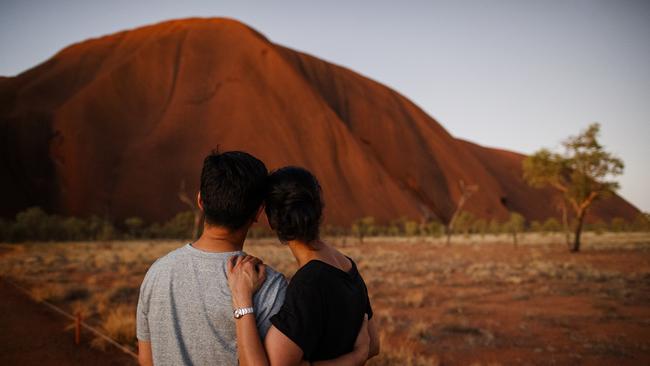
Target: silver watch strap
<point x="239" y="312"/>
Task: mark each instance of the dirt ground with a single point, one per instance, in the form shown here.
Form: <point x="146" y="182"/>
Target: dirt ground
<point x="32" y="334"/>
<point x="479" y="301"/>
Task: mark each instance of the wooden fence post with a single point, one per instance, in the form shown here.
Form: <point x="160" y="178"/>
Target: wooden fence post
<point x="77" y="328"/>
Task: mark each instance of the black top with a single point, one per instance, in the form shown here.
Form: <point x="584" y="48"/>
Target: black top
<point x="323" y="310"/>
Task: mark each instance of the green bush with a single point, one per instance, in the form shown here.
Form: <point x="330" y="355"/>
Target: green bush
<point x="552" y="225"/>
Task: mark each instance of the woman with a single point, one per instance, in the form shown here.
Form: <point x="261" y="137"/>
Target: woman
<point x="326" y="299"/>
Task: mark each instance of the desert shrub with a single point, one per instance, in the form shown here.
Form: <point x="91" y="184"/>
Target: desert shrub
<point x="618" y="224"/>
<point x="552" y="225"/>
<point x="411" y="228"/>
<point x="74" y="228"/>
<point x="333" y="230"/>
<point x="94" y="225"/>
<point x="464" y="223"/>
<point x="641" y="222"/>
<point x="432" y="228"/>
<point x="480" y="226"/>
<point x="364" y="227"/>
<point x="34" y="224"/>
<point x="29" y="224"/>
<point x="494" y="227"/>
<point x="153" y="231"/>
<point x="134" y="226"/>
<point x="598" y="227"/>
<point x="393" y="229"/>
<point x="5" y="230"/>
<point x="536" y="226"/>
<point x="106" y="231"/>
<point x="179" y="227"/>
<point x="515" y="225"/>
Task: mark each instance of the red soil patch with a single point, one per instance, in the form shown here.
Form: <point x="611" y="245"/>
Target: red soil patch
<point x="32" y="334"/>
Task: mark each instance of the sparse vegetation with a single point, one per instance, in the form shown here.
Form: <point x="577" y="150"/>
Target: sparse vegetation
<point x="33" y="224"/>
<point x="434" y="304"/>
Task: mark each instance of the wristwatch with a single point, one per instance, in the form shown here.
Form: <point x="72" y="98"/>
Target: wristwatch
<point x="239" y="312"/>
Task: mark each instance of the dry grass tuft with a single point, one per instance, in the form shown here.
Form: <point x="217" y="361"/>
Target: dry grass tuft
<point x="119" y="324"/>
<point x="48" y="292"/>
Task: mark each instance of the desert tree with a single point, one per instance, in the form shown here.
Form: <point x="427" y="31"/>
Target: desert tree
<point x="582" y="173"/>
<point x="515" y="225"/>
<point x="466" y="191"/>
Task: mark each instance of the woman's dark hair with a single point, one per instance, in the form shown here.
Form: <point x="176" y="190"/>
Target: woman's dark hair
<point x="294" y="204"/>
<point x="233" y="185"/>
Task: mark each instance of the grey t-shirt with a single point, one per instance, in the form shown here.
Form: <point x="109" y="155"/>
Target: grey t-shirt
<point x="185" y="308"/>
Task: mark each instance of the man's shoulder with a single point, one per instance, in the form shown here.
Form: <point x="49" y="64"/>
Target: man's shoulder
<point x="167" y="261"/>
<point x="274" y="278"/>
<point x="274" y="284"/>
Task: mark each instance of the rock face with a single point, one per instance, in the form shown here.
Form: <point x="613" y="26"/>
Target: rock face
<point x="115" y="125"/>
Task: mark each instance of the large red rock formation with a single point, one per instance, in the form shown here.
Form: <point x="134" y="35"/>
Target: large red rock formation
<point x="114" y="125"/>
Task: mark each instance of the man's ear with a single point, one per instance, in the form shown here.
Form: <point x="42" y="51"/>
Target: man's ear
<point x="259" y="212"/>
<point x="198" y="201"/>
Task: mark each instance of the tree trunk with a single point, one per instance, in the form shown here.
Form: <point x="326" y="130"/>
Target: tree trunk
<point x="448" y="230"/>
<point x="565" y="226"/>
<point x="578" y="232"/>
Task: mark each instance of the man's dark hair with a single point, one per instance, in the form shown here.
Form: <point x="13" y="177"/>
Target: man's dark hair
<point x="233" y="184"/>
<point x="294" y="204"/>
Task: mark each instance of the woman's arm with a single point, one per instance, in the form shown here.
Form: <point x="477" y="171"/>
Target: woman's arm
<point x="245" y="276"/>
<point x="283" y="351"/>
<point x="359" y="354"/>
<point x="374" y="339"/>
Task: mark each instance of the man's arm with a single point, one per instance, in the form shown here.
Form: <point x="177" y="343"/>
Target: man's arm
<point x="145" y="357"/>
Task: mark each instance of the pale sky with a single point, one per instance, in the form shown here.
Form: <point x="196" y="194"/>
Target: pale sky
<point x="518" y="74"/>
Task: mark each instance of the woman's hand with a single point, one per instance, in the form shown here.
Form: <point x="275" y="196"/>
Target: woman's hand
<point x="245" y="276"/>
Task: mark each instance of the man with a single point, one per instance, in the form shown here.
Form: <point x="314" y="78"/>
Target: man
<point x="185" y="314"/>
